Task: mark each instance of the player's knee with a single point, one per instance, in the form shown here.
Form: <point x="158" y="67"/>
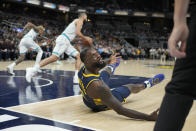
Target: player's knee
<point x="22" y="57"/>
<point x="137" y="89"/>
<point x="78" y="56"/>
<point x="40" y="51"/>
<point x="54" y="58"/>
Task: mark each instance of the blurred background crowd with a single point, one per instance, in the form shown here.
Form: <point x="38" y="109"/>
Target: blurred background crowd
<point x="133" y="38"/>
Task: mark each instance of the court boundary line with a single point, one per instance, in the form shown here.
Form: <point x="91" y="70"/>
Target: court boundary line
<point x="69" y="123"/>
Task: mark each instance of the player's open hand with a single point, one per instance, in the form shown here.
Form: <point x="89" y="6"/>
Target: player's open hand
<point x="179" y="34"/>
<point x="114" y="58"/>
<point x="154" y="115"/>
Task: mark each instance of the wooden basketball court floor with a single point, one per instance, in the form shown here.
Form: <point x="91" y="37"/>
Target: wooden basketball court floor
<point x="71" y="110"/>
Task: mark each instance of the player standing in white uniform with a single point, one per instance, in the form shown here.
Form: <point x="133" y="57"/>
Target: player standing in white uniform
<point x="27" y="42"/>
<point x="63" y="46"/>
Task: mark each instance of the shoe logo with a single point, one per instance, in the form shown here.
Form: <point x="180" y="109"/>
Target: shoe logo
<point x="155" y="81"/>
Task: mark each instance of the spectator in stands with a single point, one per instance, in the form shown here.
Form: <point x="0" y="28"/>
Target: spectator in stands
<point x="1" y="44"/>
<point x="152" y="53"/>
<point x="106" y="36"/>
<point x="138" y="53"/>
<point x="134" y="53"/>
<point x="163" y="55"/>
<point x="129" y="52"/>
<point x="123" y="53"/>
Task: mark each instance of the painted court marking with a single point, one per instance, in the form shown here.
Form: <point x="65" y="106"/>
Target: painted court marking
<point x="5" y="117"/>
<point x="69" y="123"/>
<point x="75" y="121"/>
<point x="34" y="127"/>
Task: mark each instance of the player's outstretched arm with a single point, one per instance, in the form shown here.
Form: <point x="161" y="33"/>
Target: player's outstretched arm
<point x="78" y="29"/>
<point x="21" y="34"/>
<point x="79" y="33"/>
<point x="98" y="89"/>
<point x="29" y="25"/>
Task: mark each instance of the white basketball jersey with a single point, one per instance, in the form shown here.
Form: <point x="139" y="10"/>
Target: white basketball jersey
<point x="70" y="31"/>
<point x="31" y="34"/>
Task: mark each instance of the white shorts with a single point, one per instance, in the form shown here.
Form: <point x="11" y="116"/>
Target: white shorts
<point x="28" y="43"/>
<point x="63" y="46"/>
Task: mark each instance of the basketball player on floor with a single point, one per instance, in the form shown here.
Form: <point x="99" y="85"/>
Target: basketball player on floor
<point x="96" y="92"/>
<point x="63" y="45"/>
<point x="27" y="42"/>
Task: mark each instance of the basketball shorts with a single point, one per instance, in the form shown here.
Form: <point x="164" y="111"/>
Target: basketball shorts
<point x="121" y="93"/>
<point x="63" y="46"/>
<point x="28" y="43"/>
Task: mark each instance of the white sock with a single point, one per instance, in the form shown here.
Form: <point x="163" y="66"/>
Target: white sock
<point x="112" y="68"/>
<point x="38" y="57"/>
<point x="12" y="65"/>
<point x="76" y="73"/>
<point x="147" y="84"/>
<point x="37" y="67"/>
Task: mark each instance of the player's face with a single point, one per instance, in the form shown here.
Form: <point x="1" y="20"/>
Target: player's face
<point x="95" y="59"/>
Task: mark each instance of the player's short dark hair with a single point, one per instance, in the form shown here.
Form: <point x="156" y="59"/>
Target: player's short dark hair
<point x="83" y="53"/>
<point x="81" y="14"/>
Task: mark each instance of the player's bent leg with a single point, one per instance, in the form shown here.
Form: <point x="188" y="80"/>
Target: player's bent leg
<point x="39" y="56"/>
<point x="121" y="93"/>
<point x="10" y="68"/>
<point x="77" y="68"/>
<point x="30" y="72"/>
<point x="78" y="62"/>
<point x="58" y="50"/>
<point x="38" y="59"/>
<point x="135" y="88"/>
<point x="48" y="60"/>
<point x="20" y="59"/>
